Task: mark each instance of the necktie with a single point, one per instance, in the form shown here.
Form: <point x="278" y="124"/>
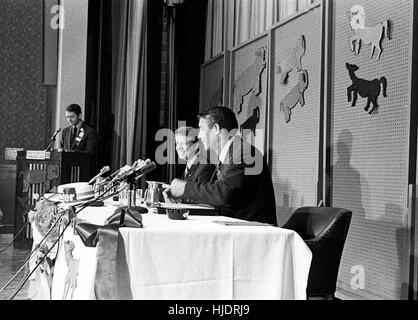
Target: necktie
<point x="186" y="171"/>
<point x="73" y="136"/>
<point x="218" y="169"/>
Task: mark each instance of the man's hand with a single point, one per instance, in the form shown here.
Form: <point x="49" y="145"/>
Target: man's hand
<point x="168" y="198"/>
<point x="177" y="188"/>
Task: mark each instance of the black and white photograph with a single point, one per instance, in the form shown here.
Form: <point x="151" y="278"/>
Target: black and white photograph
<point x="209" y="156"/>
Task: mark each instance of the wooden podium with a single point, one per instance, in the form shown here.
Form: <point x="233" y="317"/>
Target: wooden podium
<point x="40" y="172"/>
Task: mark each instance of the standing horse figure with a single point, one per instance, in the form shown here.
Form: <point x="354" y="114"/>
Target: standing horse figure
<point x="369" y="35"/>
<point x="366" y="88"/>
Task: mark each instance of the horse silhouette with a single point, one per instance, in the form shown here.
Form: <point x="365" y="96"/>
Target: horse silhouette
<point x="365" y="88"/>
<point x="295" y="95"/>
<point x="250" y="80"/>
<point x="251" y="122"/>
<point x="369" y="35"/>
<point x="293" y="60"/>
<point x="216" y="98"/>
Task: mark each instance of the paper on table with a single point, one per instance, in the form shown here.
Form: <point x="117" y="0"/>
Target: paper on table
<point x="185" y="206"/>
<point x="243" y="223"/>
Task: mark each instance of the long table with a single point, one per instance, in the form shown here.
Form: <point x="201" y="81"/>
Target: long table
<point x="203" y="257"/>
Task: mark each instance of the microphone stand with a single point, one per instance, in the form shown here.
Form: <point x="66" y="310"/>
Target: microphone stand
<point x="49" y="145"/>
<point x="132" y="208"/>
<point x="51" y="141"/>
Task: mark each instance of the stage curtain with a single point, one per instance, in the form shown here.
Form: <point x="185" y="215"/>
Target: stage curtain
<point x="129" y="85"/>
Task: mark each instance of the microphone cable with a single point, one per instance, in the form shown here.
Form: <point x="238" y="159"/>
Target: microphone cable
<point x="38" y="264"/>
<point x="21" y="229"/>
<point x="53" y="245"/>
<point x="34" y="250"/>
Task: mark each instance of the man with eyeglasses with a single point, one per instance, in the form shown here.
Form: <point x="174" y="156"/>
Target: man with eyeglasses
<point x="242" y="186"/>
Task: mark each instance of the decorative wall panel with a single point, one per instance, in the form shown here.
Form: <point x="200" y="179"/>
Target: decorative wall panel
<point x="212" y="83"/>
<point x="370" y="150"/>
<point x="248" y="99"/>
<point x="295" y="112"/>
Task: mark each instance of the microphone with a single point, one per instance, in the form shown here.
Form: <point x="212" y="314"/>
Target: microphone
<point x="148" y="167"/>
<point x="125" y="173"/>
<point x="111" y="176"/>
<point x="102" y="171"/>
<point x="55" y="134"/>
<point x="52" y="139"/>
<point x="118" y="172"/>
<point x="142" y="168"/>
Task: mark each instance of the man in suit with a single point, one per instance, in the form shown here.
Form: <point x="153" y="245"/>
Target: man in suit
<point x="242" y="186"/>
<point x="187" y="147"/>
<point x="78" y="136"/>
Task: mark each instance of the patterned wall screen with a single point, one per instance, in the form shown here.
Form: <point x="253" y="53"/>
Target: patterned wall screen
<point x="23" y="98"/>
<point x="249" y="89"/>
<point x="370" y="151"/>
<point x="212" y="83"/>
<point x="295" y="128"/>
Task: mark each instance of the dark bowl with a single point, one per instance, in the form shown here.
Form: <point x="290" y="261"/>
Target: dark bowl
<point x="177" y="214"/>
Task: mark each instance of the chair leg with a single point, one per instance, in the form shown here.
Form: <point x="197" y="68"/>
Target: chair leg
<point x="321" y="297"/>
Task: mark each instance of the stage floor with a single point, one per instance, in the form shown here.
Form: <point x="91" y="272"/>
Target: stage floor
<point x="11" y="260"/>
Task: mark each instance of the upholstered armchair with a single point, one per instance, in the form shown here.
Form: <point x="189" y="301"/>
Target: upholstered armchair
<point x="324" y="230"/>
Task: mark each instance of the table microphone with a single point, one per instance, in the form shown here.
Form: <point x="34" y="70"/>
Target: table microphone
<point x="111" y="176"/>
<point x="148" y="167"/>
<point x="102" y="171"/>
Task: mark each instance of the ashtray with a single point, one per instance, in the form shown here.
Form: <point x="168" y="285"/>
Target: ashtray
<point x="177" y="214"/>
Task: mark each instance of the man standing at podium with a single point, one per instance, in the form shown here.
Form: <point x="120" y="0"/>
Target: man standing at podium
<point x="78" y="136"/>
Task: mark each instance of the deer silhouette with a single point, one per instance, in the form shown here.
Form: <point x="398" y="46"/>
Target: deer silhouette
<point x="72" y="264"/>
<point x="365" y="88"/>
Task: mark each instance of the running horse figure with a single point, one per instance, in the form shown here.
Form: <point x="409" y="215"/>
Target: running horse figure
<point x="369" y="89"/>
<point x="367" y="35"/>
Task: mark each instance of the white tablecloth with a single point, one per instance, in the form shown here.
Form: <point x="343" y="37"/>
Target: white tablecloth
<point x="191" y="259"/>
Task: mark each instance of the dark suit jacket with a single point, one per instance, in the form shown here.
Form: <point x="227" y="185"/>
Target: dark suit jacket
<point x="88" y="142"/>
<point x="241" y="189"/>
<point x="199" y="172"/>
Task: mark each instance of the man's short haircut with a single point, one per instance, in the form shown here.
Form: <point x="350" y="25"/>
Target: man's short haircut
<point x="221" y="115"/>
<point x="189" y="132"/>
<point x="74" y="108"/>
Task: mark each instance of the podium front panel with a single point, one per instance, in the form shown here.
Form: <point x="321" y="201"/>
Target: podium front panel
<point x="37" y="176"/>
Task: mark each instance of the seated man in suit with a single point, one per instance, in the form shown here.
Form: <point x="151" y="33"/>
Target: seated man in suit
<point x="242" y="186"/>
<point x="187" y="147"/>
<point x="78" y="136"/>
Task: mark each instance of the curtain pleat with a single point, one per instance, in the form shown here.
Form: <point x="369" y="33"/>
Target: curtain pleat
<point x="172" y="90"/>
<point x="140" y="138"/>
<point x="120" y="14"/>
<point x="129" y="80"/>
